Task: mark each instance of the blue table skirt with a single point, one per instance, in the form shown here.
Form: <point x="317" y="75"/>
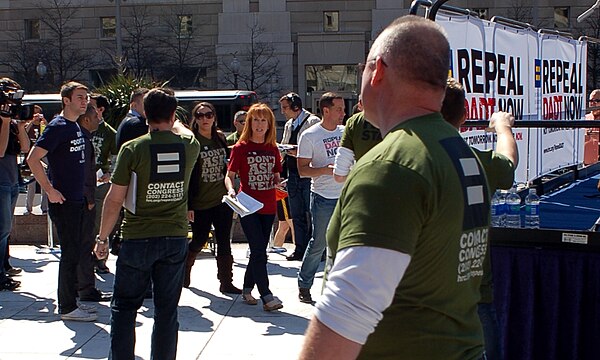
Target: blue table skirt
<point x="548" y="303"/>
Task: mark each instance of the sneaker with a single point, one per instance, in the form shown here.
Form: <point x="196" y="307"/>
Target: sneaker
<point x="13" y="271"/>
<point x="10" y="285"/>
<point x="272" y="305"/>
<point x="88" y="308"/>
<point x="277" y="250"/>
<point x="79" y="315"/>
<point x="304" y="296"/>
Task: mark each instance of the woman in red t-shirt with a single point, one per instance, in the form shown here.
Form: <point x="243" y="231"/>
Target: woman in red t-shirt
<point x="257" y="162"/>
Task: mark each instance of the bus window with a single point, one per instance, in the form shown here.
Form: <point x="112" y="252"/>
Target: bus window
<point x="227" y="103"/>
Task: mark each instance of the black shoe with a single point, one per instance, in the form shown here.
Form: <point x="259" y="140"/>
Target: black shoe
<point x="10" y="285"/>
<point x="304" y="296"/>
<point x="13" y="271"/>
<point x="96" y="295"/>
<point x="295" y="256"/>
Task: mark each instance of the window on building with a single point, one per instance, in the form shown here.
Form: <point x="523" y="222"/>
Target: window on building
<point x="32" y="29"/>
<point x="331" y="21"/>
<point x="185" y="25"/>
<point x="109" y="27"/>
<point x="561" y="17"/>
<point x="482" y="13"/>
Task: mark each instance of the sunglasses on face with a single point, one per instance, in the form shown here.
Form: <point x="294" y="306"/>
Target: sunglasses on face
<point x="209" y="115"/>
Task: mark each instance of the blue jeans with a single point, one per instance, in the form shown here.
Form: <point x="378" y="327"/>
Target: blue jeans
<point x="491" y="331"/>
<point x="299" y="198"/>
<point x="8" y="200"/>
<point x="68" y="219"/>
<point x="160" y="259"/>
<point x="321" y="209"/>
<point x="257" y="228"/>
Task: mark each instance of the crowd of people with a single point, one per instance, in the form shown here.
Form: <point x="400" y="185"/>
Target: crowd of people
<point x="389" y="199"/>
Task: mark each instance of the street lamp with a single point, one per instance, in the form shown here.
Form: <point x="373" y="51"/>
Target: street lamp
<point x="119" y="53"/>
<point x="235" y="70"/>
<point x="41" y="69"/>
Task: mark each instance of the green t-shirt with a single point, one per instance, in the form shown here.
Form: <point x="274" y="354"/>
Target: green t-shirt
<point x="207" y="185"/>
<point x="360" y="135"/>
<point x="422" y="192"/>
<point x="233" y="138"/>
<point x="163" y="163"/>
<point x="500" y="173"/>
<point x="105" y="145"/>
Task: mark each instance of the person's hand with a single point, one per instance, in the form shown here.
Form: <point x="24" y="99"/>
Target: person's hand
<point x="101" y="251"/>
<point x="292" y="152"/>
<point x="500" y="120"/>
<point x="231" y="192"/>
<point x="190" y="215"/>
<point x="90" y="206"/>
<point x="55" y="196"/>
<point x="104" y="178"/>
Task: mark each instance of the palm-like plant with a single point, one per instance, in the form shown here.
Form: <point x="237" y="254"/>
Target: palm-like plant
<point x="118" y="90"/>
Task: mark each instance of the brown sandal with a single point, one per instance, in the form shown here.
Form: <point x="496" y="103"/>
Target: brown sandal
<point x="273" y="305"/>
<point x="249" y="299"/>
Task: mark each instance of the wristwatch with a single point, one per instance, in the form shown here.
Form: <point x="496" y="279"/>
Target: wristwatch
<point x="100" y="241"/>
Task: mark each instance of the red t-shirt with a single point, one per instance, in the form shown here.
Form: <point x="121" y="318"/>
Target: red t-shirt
<point x="256" y="165"/>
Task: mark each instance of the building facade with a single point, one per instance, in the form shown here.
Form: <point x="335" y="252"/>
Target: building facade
<point x="270" y="46"/>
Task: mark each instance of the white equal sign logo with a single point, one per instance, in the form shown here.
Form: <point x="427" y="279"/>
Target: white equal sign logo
<point x="474" y="193"/>
<point x="163" y="158"/>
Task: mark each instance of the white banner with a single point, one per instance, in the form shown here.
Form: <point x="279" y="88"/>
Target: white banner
<point x="500" y="69"/>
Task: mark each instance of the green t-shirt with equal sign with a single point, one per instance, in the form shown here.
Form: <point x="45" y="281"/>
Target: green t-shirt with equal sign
<point x="163" y="163"/>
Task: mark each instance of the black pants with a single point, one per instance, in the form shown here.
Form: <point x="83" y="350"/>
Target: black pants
<point x="221" y="217"/>
<point x="68" y="219"/>
<point x="86" y="280"/>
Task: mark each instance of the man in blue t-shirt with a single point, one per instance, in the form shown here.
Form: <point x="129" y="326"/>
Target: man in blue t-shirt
<point x="62" y="142"/>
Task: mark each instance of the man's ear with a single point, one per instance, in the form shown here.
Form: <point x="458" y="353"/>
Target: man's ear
<point x="378" y="72"/>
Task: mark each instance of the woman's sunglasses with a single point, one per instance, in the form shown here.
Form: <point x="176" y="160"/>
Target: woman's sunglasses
<point x="209" y="115"/>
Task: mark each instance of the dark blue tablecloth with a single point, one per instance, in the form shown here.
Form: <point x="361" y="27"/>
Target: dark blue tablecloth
<point x="548" y="303"/>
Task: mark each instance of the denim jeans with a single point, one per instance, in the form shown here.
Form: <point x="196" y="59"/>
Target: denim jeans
<point x="160" y="259"/>
<point x="221" y="217"/>
<point x="491" y="331"/>
<point x="321" y="210"/>
<point x="86" y="279"/>
<point x="299" y="198"/>
<point x="257" y="228"/>
<point x="68" y="218"/>
<point x="8" y="200"/>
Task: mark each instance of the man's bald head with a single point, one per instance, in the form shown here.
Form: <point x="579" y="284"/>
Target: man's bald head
<point x="416" y="49"/>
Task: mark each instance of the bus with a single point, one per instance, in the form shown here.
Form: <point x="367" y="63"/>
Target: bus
<point x="227" y="103"/>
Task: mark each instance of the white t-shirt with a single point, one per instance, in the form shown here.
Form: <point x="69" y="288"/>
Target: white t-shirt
<point x="320" y="145"/>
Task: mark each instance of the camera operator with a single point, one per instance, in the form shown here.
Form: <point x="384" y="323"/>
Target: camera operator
<point x="34" y="130"/>
<point x="13" y="140"/>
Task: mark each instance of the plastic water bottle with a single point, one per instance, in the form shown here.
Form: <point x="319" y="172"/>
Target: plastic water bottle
<point x="502" y="207"/>
<point x="532" y="210"/>
<point x="513" y="204"/>
<point x="497" y="209"/>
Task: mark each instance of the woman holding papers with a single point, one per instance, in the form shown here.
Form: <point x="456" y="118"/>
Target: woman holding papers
<point x="257" y="162"/>
<point x="206" y="192"/>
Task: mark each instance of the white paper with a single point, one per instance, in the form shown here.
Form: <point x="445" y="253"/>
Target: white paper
<point x="130" y="199"/>
<point x="99" y="174"/>
<point x="243" y="204"/>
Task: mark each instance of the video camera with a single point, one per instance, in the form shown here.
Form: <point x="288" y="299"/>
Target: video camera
<point x="11" y="103"/>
